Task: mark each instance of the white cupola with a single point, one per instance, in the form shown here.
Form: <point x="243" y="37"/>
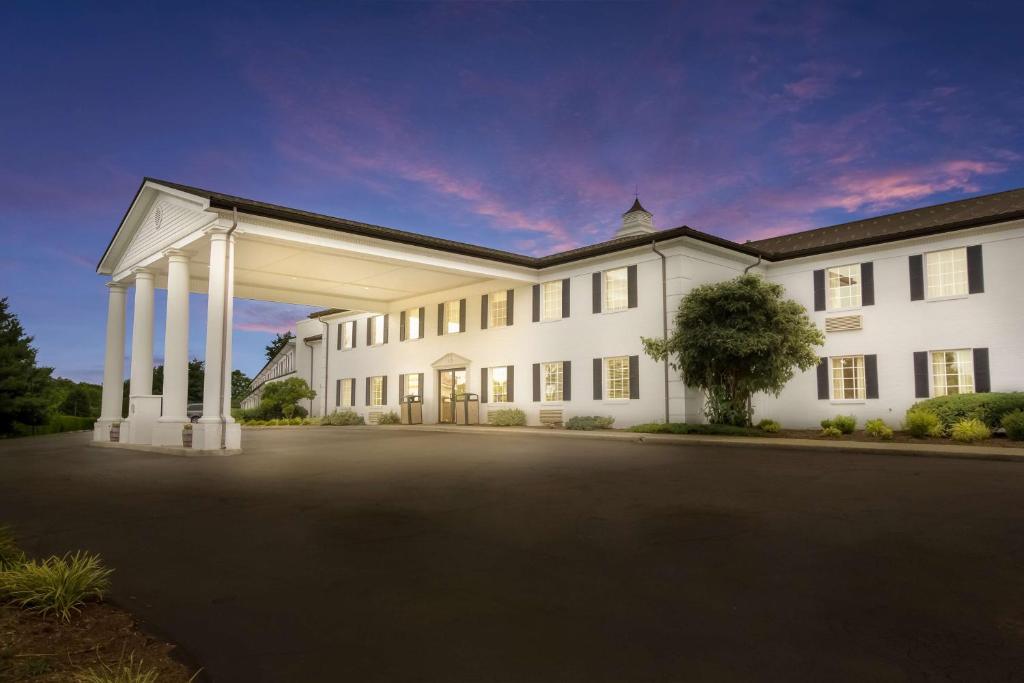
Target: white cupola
<point x="636" y="221"/>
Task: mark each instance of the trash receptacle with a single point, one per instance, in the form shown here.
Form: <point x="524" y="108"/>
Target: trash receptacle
<point x="467" y="409"/>
<point x="412" y="410"/>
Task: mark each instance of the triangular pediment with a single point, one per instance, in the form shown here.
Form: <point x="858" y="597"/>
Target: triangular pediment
<point x="451" y="360"/>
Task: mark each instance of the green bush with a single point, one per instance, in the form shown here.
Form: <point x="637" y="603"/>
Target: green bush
<point x="878" y="428"/>
<point x="307" y="421"/>
<point x="989" y="408"/>
<point x="684" y="428"/>
<point x="921" y="423"/>
<point x="295" y="421"/>
<point x="11" y="555"/>
<point x="506" y="417"/>
<point x="389" y="418"/>
<point x="57" y="585"/>
<point x="831" y="432"/>
<point x="971" y="430"/>
<point x="844" y="423"/>
<point x="1013" y="423"/>
<point x="589" y="423"/>
<point x="769" y="426"/>
<point x="343" y="418"/>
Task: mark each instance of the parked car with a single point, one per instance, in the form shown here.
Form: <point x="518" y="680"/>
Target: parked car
<point x="194" y="411"/>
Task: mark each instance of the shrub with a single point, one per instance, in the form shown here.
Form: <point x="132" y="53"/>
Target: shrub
<point x="11" y="556"/>
<point x="343" y="418"/>
<point x="57" y="585"/>
<point x="684" y="428"/>
<point x="844" y="423"/>
<point x="507" y="417"/>
<point x="589" y="423"/>
<point x="307" y="421"/>
<point x="1013" y="423"/>
<point x="878" y="428"/>
<point x="295" y="421"/>
<point x="389" y="418"/>
<point x="921" y="423"/>
<point x="971" y="430"/>
<point x="769" y="426"/>
<point x="831" y="432"/>
<point x="989" y="407"/>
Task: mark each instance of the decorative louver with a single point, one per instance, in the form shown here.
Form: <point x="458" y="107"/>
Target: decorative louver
<point x="844" y="323"/>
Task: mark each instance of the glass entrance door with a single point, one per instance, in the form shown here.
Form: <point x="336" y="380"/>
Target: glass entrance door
<point x="450" y="383"/>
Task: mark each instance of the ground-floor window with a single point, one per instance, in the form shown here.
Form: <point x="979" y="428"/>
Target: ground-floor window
<point x="616" y="371"/>
<point x="377" y="391"/>
<point x="952" y="372"/>
<point x="551" y="377"/>
<point x="848" y="382"/>
<point x="499" y="384"/>
<point x="345" y="393"/>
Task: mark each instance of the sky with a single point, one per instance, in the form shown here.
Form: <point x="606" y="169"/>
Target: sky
<point x="523" y="126"/>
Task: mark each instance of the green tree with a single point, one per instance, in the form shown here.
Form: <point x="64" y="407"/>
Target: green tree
<point x="196" y="376"/>
<point x="24" y="388"/>
<point x="280" y="399"/>
<point x="239" y="387"/>
<point x="733" y="339"/>
<point x="278" y="343"/>
<point x="77" y="402"/>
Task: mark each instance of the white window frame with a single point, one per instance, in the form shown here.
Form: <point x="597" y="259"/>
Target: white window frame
<point x="965" y="359"/>
<point x="845" y="302"/>
<point x="497" y="309"/>
<point x="345" y="400"/>
<point x="455" y="304"/>
<point x="617" y="390"/>
<point x="838" y="373"/>
<point x="410" y="315"/>
<point x="550" y="292"/>
<point x="348" y="332"/>
<point x="608" y="305"/>
<point x="557" y="369"/>
<point x="946" y="279"/>
<point x="405" y="385"/>
<point x="376" y="323"/>
<point x="493" y="394"/>
<point x="377" y="391"/>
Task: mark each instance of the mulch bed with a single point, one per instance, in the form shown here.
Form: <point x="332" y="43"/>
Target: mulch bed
<point x="997" y="440"/>
<point x="43" y="649"/>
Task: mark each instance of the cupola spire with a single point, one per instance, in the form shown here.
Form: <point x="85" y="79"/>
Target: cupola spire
<point x="636" y="221"/>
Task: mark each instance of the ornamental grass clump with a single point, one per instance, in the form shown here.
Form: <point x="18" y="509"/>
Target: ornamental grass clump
<point x="831" y="432"/>
<point x="11" y="556"/>
<point x="844" y="423"/>
<point x="1013" y="425"/>
<point x="56" y="585"/>
<point x="769" y="426"/>
<point x="507" y="417"/>
<point x="342" y="418"/>
<point x="130" y="671"/>
<point x="922" y="423"/>
<point x="589" y="423"/>
<point x="389" y="418"/>
<point x="878" y="429"/>
<point x="970" y="431"/>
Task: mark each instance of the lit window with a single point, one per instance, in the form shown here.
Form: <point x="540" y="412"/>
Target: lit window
<point x="376" y="330"/>
<point x="412" y="323"/>
<point x="499" y="384"/>
<point x="848" y="383"/>
<point x="452" y="316"/>
<point x="952" y="372"/>
<point x="346" y="335"/>
<point x="844" y="286"/>
<point x="412" y="385"/>
<point x="946" y="272"/>
<point x="616" y="372"/>
<point x="551" y="300"/>
<point x="345" y="400"/>
<point x="376" y="391"/>
<point x="616" y="290"/>
<point x="551" y="376"/>
<point x="497" y="302"/>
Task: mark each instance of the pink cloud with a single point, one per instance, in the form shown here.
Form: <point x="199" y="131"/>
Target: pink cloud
<point x="884" y="190"/>
<point x="267" y="317"/>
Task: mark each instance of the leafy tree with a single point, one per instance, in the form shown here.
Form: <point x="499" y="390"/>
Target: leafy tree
<point x="280" y="399"/>
<point x="278" y="343"/>
<point x="733" y="339"/>
<point x="196" y="376"/>
<point x="77" y="402"/>
<point x="239" y="387"/>
<point x="24" y="388"/>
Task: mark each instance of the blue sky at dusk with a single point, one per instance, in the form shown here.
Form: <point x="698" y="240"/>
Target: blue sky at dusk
<point x="519" y="126"/>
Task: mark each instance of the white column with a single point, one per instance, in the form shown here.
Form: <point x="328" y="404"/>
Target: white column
<point x="175" y="402"/>
<point x="218" y="332"/>
<point x="142" y="336"/>
<point x="113" y="364"/>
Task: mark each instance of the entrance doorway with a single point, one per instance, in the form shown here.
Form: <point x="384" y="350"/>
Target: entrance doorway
<point x="450" y="383"/>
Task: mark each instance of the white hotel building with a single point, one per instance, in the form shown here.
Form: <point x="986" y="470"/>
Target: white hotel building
<point x="914" y="304"/>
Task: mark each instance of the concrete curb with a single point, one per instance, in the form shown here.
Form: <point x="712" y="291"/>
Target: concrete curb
<point x="165" y="450"/>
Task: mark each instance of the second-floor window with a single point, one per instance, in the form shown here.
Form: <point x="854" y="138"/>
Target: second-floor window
<point x="377" y="335"/>
<point x="844" y="286"/>
<point x="497" y="303"/>
<point x="452" y="316"/>
<point x="348" y="334"/>
<point x="616" y="290"/>
<point x="413" y="324"/>
<point x="551" y="300"/>
<point x="946" y="273"/>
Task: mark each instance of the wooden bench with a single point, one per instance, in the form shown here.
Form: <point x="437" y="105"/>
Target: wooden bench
<point x="551" y="417"/>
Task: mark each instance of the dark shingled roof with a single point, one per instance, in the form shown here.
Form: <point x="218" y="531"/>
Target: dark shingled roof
<point x="326" y="311"/>
<point x="928" y="220"/>
<point x="637" y="206"/>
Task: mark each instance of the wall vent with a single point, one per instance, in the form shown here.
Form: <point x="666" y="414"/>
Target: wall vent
<point x="843" y="323"/>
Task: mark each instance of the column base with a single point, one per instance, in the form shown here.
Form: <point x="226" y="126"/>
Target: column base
<point x="101" y="429"/>
<point x="143" y="413"/>
<point x="169" y="434"/>
<point x="206" y="436"/>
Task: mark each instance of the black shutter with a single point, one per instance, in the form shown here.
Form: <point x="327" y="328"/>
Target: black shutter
<point x="369" y="331"/>
<point x="384" y="390"/>
<point x="867" y="284"/>
<point x="566" y="379"/>
<point x="536" y="381"/>
<point x="982" y="380"/>
<point x="337" y="393"/>
<point x="368" y="379"/>
<point x="823" y="379"/>
<point x="419" y="390"/>
<point x="483" y="312"/>
<point x="916" y="263"/>
<point x="819" y="290"/>
<point x="440" y="319"/>
<point x="634" y="376"/>
<point x="511" y="381"/>
<point x="510" y="300"/>
<point x="631" y="286"/>
<point x="975" y="270"/>
<point x="871" y="375"/>
<point x="355" y="333"/>
<point x="352" y="393"/>
<point x="462" y="315"/>
<point x="483" y="384"/>
<point x="921" y="374"/>
<point x="387" y="324"/>
<point x="596" y="287"/>
<point x="401" y="388"/>
<point x="565" y="298"/>
<point x="536" y="303"/>
<point x="401" y="326"/>
<point x="598" y="390"/>
<point x="339" y="336"/>
<point x="423" y="322"/>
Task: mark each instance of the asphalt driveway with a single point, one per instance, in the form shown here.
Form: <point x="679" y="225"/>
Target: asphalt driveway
<point x="327" y="554"/>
